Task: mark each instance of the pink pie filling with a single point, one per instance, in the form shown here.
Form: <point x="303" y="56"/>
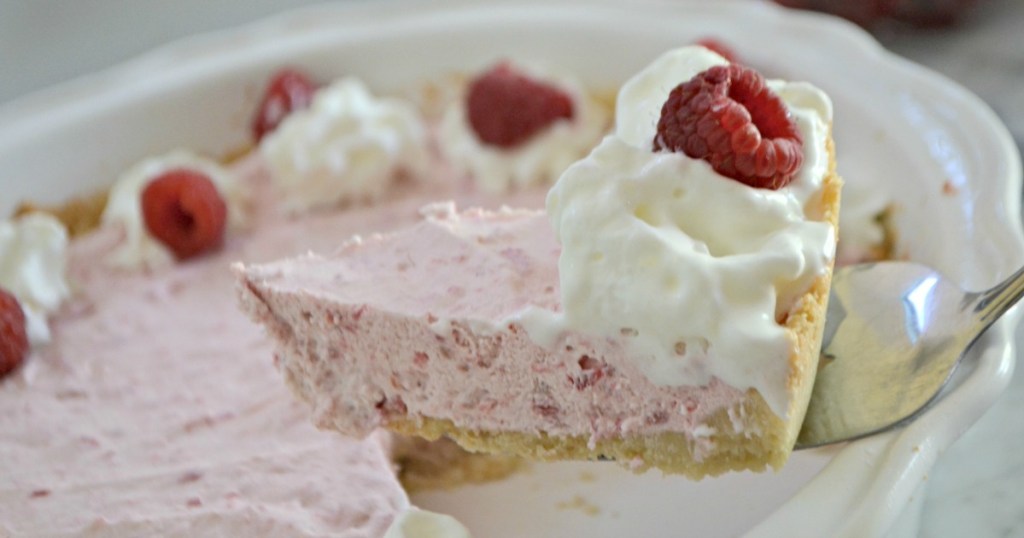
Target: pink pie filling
<point x="156" y="410"/>
<point x="426" y="323"/>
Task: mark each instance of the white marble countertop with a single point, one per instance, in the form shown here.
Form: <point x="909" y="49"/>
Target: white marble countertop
<point x="975" y="488"/>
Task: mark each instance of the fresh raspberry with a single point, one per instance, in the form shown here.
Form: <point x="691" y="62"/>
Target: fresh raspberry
<point x="13" y="338"/>
<point x="289" y="89"/>
<point x="719" y="48"/>
<point x="183" y="209"/>
<point x="728" y="117"/>
<point x="506" y="108"/>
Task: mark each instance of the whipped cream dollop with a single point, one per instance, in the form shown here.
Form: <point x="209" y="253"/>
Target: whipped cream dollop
<point x="417" y="523"/>
<point x="539" y="160"/>
<point x="347" y="146"/>
<point x="124" y="206"/>
<point x="694" y="267"/>
<point x="33" y="264"/>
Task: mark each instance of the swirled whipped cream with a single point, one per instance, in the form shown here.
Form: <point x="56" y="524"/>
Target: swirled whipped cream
<point x="347" y="146"/>
<point x="538" y="161"/>
<point x="124" y="206"/>
<point x="417" y="523"/>
<point x="32" y="267"/>
<point x="694" y="266"/>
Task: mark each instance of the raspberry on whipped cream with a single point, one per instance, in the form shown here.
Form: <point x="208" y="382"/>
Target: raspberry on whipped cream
<point x="139" y="248"/>
<point x="183" y="209"/>
<point x="288" y="90"/>
<point x="348" y="146"/>
<point x="727" y="116"/>
<point x="506" y="107"/>
<point x="559" y="132"/>
<point x="32" y="268"/>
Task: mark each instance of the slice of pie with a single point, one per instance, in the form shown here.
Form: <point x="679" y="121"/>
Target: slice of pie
<point x="665" y="311"/>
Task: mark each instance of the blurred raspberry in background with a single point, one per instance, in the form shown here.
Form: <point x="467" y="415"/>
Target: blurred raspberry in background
<point x="867" y="13"/>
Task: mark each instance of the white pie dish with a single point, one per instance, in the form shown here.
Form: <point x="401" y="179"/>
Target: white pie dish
<point x="898" y="128"/>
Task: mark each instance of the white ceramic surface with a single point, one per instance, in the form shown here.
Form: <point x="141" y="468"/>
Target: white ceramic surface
<point x="898" y="128"/>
